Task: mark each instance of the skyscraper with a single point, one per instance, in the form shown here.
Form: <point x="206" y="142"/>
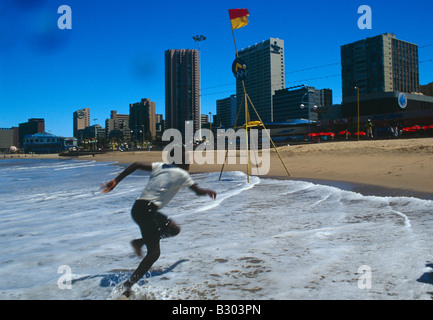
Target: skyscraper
<point x="182" y="88"/>
<point x="142" y="120"/>
<point x="265" y="65"/>
<point x="226" y="111"/>
<point x="379" y="64"/>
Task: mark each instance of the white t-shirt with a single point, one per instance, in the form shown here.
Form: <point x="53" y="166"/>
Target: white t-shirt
<point x="164" y="182"/>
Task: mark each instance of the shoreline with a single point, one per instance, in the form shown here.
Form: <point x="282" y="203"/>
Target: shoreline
<point x="402" y="167"/>
<point x="370" y="189"/>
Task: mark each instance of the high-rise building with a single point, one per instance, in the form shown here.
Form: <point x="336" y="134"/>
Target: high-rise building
<point x="379" y="64"/>
<point x="182" y="88"/>
<point x="118" y="126"/>
<point x="81" y="121"/>
<point x="265" y="66"/>
<point x="142" y="120"/>
<point x="226" y="111"/>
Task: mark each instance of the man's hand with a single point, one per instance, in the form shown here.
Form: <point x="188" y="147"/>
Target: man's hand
<point x="201" y="192"/>
<point x="107" y="187"/>
<point x="211" y="194"/>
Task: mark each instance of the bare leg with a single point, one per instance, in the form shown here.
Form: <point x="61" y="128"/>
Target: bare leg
<point x="171" y="230"/>
<point x="137" y="244"/>
<point x="153" y="252"/>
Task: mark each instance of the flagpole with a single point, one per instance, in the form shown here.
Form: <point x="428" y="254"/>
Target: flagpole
<point x="234" y="41"/>
<point x="246" y="111"/>
<point x="245" y="100"/>
<point x="247" y="119"/>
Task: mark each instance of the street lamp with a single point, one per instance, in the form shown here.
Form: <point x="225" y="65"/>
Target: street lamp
<point x="142" y="138"/>
<point x="210" y="126"/>
<point x="357" y="90"/>
<point x="302" y="106"/>
<point x="199" y="39"/>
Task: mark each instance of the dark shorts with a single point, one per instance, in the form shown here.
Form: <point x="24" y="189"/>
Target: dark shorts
<point x="153" y="224"/>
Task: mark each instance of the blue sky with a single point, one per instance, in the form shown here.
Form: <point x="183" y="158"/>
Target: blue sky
<point x="114" y="53"/>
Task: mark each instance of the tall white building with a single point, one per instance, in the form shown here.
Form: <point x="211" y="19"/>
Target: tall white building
<point x="265" y="65"/>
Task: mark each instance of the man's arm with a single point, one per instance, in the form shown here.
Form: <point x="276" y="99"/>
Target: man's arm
<point x="110" y="185"/>
<point x="201" y="192"/>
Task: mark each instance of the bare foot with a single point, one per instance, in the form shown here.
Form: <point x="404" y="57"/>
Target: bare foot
<point x="137" y="247"/>
<point x="127" y="285"/>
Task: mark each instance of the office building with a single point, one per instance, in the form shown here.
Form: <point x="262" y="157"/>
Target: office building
<point x="379" y="64"/>
<point x="34" y="125"/>
<point x="160" y="124"/>
<point x="226" y="112"/>
<point x="265" y="66"/>
<point x="385" y="70"/>
<point x="8" y="138"/>
<point x="405" y="66"/>
<point x="117" y="126"/>
<point x="142" y="120"/>
<point x="204" y="120"/>
<point x="81" y="120"/>
<point x="93" y="132"/>
<point x="182" y="88"/>
<point x="427" y="89"/>
<point x="300" y="103"/>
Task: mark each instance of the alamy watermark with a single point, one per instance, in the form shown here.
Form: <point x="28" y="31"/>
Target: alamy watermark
<point x="65" y="20"/>
<point x="253" y="148"/>
<point x="365" y="20"/>
<point x="65" y="280"/>
<point x="364" y="280"/>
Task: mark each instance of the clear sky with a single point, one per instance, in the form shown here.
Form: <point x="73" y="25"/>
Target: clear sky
<point x="114" y="53"/>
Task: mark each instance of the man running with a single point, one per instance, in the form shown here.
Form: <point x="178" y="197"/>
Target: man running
<point x="164" y="182"/>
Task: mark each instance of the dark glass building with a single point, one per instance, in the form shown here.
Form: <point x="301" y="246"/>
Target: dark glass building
<point x="379" y="64"/>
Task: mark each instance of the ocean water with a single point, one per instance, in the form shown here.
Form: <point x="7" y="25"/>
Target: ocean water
<point x="61" y="238"/>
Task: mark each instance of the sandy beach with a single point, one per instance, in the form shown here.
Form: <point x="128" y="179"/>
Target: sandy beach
<point x="266" y="239"/>
<point x="402" y="167"/>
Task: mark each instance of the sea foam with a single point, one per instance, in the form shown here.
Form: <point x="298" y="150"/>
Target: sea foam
<point x="266" y="239"/>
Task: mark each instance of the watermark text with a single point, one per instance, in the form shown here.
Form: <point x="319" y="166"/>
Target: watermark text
<point x="364" y="280"/>
<point x="232" y="147"/>
<point x="365" y="20"/>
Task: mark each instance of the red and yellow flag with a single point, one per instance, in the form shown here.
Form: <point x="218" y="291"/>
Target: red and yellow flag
<point x="238" y="17"/>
